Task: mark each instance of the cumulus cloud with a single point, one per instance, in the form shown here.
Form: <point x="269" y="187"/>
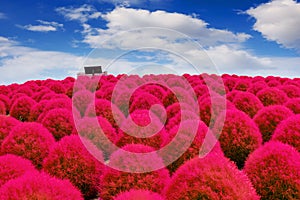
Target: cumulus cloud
<point x="82" y="13"/>
<point x="123" y="19"/>
<point x="131" y="2"/>
<point x="278" y="21"/>
<point x="19" y="63"/>
<point x="43" y="26"/>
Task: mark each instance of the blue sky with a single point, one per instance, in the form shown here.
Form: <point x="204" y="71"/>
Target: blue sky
<point x="55" y="39"/>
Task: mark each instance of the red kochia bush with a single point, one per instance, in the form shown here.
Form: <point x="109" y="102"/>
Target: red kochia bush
<point x="272" y="96"/>
<point x="114" y="182"/>
<point x="6" y="124"/>
<point x="268" y="118"/>
<point x="6" y="102"/>
<point x="106" y="109"/>
<point x="257" y="86"/>
<point x="30" y="140"/>
<point x="291" y="91"/>
<point x="288" y="131"/>
<point x="141" y="128"/>
<point x="144" y="100"/>
<point x="184" y="143"/>
<point x="138" y="195"/>
<point x="12" y="166"/>
<point x="59" y="122"/>
<point x="82" y="99"/>
<point x="2" y="108"/>
<point x="100" y="132"/>
<point x="21" y="108"/>
<point x="274" y="171"/>
<point x="248" y="103"/>
<point x="70" y="159"/>
<point x="39" y="186"/>
<point x="294" y="105"/>
<point x="239" y="135"/>
<point x="212" y="177"/>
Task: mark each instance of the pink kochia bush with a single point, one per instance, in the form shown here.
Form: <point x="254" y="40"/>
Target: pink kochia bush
<point x="248" y="103"/>
<point x="274" y="171"/>
<point x="70" y="159"/>
<point x="100" y="132"/>
<point x="59" y="122"/>
<point x="20" y="109"/>
<point x="294" y="105"/>
<point x="184" y="143"/>
<point x="239" y="135"/>
<point x="138" y="195"/>
<point x="30" y="140"/>
<point x="272" y="96"/>
<point x="2" y="108"/>
<point x="141" y="128"/>
<point x="114" y="181"/>
<point x="268" y="118"/>
<point x="12" y="166"/>
<point x="288" y="131"/>
<point x="212" y="177"/>
<point x="34" y="185"/>
<point x="6" y="124"/>
<point x="82" y="99"/>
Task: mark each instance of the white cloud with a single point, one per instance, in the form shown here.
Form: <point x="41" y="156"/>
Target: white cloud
<point x="2" y="16"/>
<point x="19" y="64"/>
<point x="44" y="26"/>
<point x="82" y="14"/>
<point x="279" y="21"/>
<point x="123" y="19"/>
<point x="131" y="2"/>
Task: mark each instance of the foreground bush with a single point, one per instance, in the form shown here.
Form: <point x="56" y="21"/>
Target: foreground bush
<point x="39" y="186"/>
<point x="239" y="135"/>
<point x="274" y="171"/>
<point x="114" y="181"/>
<point x="20" y="109"/>
<point x="288" y="131"/>
<point x="30" y="140"/>
<point x="212" y="177"/>
<point x="268" y="118"/>
<point x="12" y="166"/>
<point x="138" y="195"/>
<point x="69" y="159"/>
<point x="248" y="103"/>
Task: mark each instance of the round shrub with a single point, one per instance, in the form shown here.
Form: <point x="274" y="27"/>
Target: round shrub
<point x="242" y="85"/>
<point x="268" y="118"/>
<point x="288" y="131"/>
<point x="100" y="132"/>
<point x="106" y="109"/>
<point x="274" y="171"/>
<point x="273" y="83"/>
<point x="248" y="103"/>
<point x="2" y="108"/>
<point x="24" y="90"/>
<point x="184" y="143"/>
<point x="144" y="101"/>
<point x="115" y="182"/>
<point x="21" y="108"/>
<point x="294" y="105"/>
<point x="210" y="108"/>
<point x="154" y="89"/>
<point x="212" y="177"/>
<point x="239" y="135"/>
<point x="59" y="122"/>
<point x="291" y="91"/>
<point x="138" y="195"/>
<point x="70" y="159"/>
<point x="142" y="127"/>
<point x="39" y="186"/>
<point x="37" y="96"/>
<point x="56" y="87"/>
<point x="272" y="96"/>
<point x="257" y="86"/>
<point x="54" y="104"/>
<point x="6" y="101"/>
<point x="82" y="99"/>
<point x="12" y="166"/>
<point x="180" y="117"/>
<point x="30" y="140"/>
<point x="37" y="110"/>
<point x="6" y="124"/>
